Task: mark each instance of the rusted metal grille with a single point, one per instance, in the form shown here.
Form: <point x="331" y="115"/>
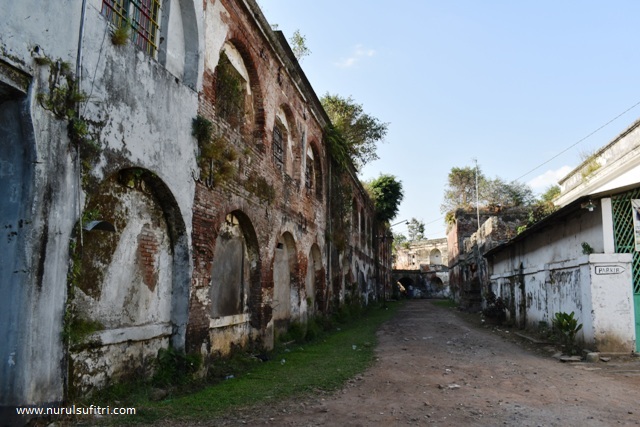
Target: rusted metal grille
<point x="308" y="174"/>
<point x="623" y="231"/>
<point x="144" y="20"/>
<point x="143" y="17"/>
<point x="116" y="11"/>
<point x="278" y="154"/>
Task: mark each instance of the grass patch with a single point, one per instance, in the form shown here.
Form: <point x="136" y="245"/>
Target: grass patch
<point x="323" y="364"/>
<point x="447" y="303"/>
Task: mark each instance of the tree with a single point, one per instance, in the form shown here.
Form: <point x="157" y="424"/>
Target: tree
<point x="360" y="130"/>
<point x="298" y="43"/>
<point x="543" y="206"/>
<point x="415" y="228"/>
<point x="399" y="241"/>
<point x="498" y="192"/>
<point x="550" y="194"/>
<point x="461" y="189"/>
<point x="386" y="192"/>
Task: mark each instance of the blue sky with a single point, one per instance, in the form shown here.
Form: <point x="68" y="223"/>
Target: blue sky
<point x="510" y="83"/>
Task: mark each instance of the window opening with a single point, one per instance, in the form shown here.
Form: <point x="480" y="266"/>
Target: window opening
<point x="143" y="17"/>
<point x="278" y="153"/>
<point x="230" y="92"/>
<point x="308" y="174"/>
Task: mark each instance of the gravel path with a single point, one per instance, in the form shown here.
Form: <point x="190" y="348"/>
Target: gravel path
<point x="436" y="366"/>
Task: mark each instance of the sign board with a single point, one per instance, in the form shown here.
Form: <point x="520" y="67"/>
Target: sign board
<point x="609" y="269"/>
<point x="635" y="212"/>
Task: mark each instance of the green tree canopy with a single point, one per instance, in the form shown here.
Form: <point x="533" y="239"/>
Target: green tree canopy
<point x="360" y="131"/>
<point x="550" y="193"/>
<point x="543" y="206"/>
<point x="460" y="192"/>
<point x="399" y="241"/>
<point x="498" y="192"/>
<point x="386" y="192"/>
<point x="415" y="229"/>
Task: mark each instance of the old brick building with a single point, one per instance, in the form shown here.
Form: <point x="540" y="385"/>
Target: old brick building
<point x="467" y="243"/>
<point x="172" y="189"/>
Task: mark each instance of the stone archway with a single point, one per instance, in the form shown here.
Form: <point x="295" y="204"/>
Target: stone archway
<point x="435" y="257"/>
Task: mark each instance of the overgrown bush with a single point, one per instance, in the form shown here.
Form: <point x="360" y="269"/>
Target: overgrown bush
<point x="175" y="367"/>
<point x="496" y="308"/>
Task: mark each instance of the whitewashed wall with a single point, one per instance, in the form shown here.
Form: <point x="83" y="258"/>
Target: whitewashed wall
<point x="547" y="272"/>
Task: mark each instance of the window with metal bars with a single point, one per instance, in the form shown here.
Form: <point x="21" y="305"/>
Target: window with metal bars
<point x="142" y="15"/>
<point x="230" y="92"/>
<point x="308" y="175"/>
<point x="278" y="152"/>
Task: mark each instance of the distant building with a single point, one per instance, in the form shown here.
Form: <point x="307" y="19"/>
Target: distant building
<point x="420" y="267"/>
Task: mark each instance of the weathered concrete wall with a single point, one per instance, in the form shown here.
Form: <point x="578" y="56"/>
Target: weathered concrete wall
<point x="602" y="303"/>
<point x="547" y="272"/>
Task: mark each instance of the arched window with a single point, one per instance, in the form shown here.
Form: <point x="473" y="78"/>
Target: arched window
<point x="309" y="173"/>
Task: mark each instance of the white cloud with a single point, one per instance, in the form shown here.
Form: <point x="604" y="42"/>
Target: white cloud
<point x="359" y="52"/>
<point x="551" y="177"/>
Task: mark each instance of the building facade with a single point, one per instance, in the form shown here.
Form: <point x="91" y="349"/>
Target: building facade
<point x="583" y="258"/>
<point x="168" y="185"/>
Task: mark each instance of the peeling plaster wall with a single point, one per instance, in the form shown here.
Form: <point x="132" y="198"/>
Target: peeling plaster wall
<point x="139" y="114"/>
<point x="547" y="273"/>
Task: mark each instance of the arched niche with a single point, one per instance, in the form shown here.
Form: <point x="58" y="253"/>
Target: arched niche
<point x="285" y="286"/>
<point x="314" y="280"/>
<point x="128" y="283"/>
<point x="235" y="271"/>
<point x="435" y="257"/>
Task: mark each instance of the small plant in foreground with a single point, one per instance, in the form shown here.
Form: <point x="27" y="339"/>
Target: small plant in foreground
<point x="565" y="327"/>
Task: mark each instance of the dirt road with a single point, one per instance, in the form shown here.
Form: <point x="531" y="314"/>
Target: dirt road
<point x="438" y="367"/>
